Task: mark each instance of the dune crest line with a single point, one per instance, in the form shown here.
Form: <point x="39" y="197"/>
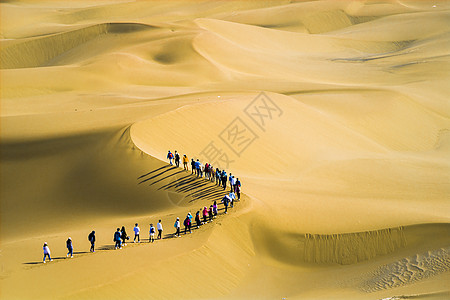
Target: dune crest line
<point x="350" y="248"/>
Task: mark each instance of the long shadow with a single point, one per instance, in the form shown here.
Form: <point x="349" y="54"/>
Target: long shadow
<point x="179" y="182"/>
<point x="42" y="262"/>
<point x="161" y="179"/>
<point x="106" y="247"/>
<point x="145" y="175"/>
<point x="154" y="176"/>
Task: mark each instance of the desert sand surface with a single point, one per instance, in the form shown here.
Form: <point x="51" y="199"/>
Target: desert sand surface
<point x="335" y="116"/>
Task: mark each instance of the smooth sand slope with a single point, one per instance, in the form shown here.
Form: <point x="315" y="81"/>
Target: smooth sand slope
<point x="333" y="114"/>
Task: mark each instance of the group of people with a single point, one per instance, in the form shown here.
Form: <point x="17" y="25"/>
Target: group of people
<point x="202" y="216"/>
<point x="211" y="174"/>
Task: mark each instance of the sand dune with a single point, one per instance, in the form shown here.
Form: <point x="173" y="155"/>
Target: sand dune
<point x="333" y="114"/>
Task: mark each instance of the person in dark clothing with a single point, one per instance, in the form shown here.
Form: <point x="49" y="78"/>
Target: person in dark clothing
<point x="197" y="219"/>
<point x="91" y="238"/>
<point x="69" y="246"/>
<point x="224" y="179"/>
<point x="118" y="239"/>
<point x="187" y="225"/>
<point x="238" y="188"/>
<point x="123" y="235"/>
<point x="193" y="169"/>
<point x="210" y="213"/>
<point x="226" y="201"/>
<point x="177" y="159"/>
<point x="218" y="176"/>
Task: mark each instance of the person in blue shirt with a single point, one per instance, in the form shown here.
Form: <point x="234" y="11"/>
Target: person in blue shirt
<point x="69" y="247"/>
<point x="118" y="239"/>
<point x="170" y="157"/>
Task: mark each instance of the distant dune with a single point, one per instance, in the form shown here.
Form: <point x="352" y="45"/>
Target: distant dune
<point x="334" y="115"/>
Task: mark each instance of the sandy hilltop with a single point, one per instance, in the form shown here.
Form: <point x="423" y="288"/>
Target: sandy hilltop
<point x="335" y="116"/>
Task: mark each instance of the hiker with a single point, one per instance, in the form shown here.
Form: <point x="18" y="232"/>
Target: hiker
<point x="170" y="157"/>
<point x="210" y="213"/>
<point x="197" y="219"/>
<point x="185" y="163"/>
<point x="232" y="184"/>
<point x="151" y="237"/>
<point x="232" y="197"/>
<point x="238" y="189"/>
<point x="218" y="178"/>
<point x="205" y="214"/>
<point x="226" y="201"/>
<point x="215" y="208"/>
<point x="91" y="238"/>
<point x="230" y="180"/>
<point x="206" y="171"/>
<point x="69" y="246"/>
<point x="117" y="239"/>
<point x="160" y="229"/>
<point x="224" y="179"/>
<point x="124" y="236"/>
<point x="192" y="166"/>
<point x="177" y="227"/>
<point x="177" y="159"/>
<point x="202" y="169"/>
<point x="136" y="233"/>
<point x="47" y="252"/>
<point x="197" y="167"/>
<point x="187" y="224"/>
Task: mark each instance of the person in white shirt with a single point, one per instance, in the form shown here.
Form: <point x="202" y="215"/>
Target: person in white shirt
<point x="232" y="196"/>
<point x="46" y="252"/>
<point x="136" y="233"/>
<point x="151" y="237"/>
<point x="177" y="226"/>
<point x="160" y="229"/>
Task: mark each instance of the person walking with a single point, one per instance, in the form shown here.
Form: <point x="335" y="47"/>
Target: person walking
<point x="187" y="224"/>
<point x="226" y="201"/>
<point x="215" y="208"/>
<point x="192" y="166"/>
<point x="177" y="159"/>
<point x="69" y="246"/>
<point x="160" y="229"/>
<point x="136" y="230"/>
<point x="124" y="236"/>
<point x="197" y="219"/>
<point x="185" y="163"/>
<point x="232" y="198"/>
<point x="205" y="215"/>
<point x="47" y="252"/>
<point x="91" y="238"/>
<point x="151" y="236"/>
<point x="224" y="179"/>
<point x="197" y="167"/>
<point x="117" y="239"/>
<point x="210" y="213"/>
<point x="238" y="188"/>
<point x="218" y="176"/>
<point x="170" y="157"/>
<point x="177" y="226"/>
<point x="230" y="180"/>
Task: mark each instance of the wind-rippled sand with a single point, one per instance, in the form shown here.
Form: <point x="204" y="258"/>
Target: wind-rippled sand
<point x="333" y="114"/>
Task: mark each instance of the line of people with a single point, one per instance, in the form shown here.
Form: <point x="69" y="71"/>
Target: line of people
<point x="211" y="174"/>
<point x="208" y="214"/>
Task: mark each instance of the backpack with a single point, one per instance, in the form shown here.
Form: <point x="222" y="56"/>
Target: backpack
<point x="187" y="222"/>
<point x="152" y="230"/>
<point x="170" y="155"/>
